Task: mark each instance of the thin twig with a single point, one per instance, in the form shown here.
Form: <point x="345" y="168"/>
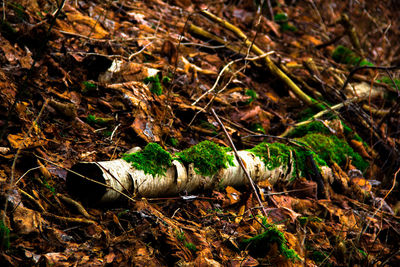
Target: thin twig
<point x="239" y="159"/>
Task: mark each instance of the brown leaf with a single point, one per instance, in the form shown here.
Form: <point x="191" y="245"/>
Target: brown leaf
<point x="169" y="50"/>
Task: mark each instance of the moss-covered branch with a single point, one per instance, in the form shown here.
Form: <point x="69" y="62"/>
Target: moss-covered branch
<point x="155" y="172"/>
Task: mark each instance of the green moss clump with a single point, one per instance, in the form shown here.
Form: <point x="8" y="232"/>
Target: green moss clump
<point x="88" y="86"/>
<point x="154" y="84"/>
<point x="207" y="157"/>
<point x="93" y="119"/>
<point x="312" y="127"/>
<point x="257" y="127"/>
<point x="331" y="148"/>
<point x="273" y="155"/>
<point x="283" y="20"/>
<point x="324" y="148"/>
<point x="345" y="55"/>
<point x="192" y="247"/>
<point x="4" y="236"/>
<point x="153" y="159"/>
<point x="259" y="245"/>
<point x="253" y="95"/>
<point x="278" y="154"/>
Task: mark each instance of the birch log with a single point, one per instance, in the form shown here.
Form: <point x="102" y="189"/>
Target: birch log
<point x="109" y="178"/>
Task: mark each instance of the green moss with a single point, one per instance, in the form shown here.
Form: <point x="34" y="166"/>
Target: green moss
<point x="207" y="157"/>
<point x="192" y="247"/>
<point x="253" y="95"/>
<point x="257" y="127"/>
<point x="93" y="119"/>
<point x="325" y="148"/>
<point x="389" y="81"/>
<point x="273" y="155"/>
<point x="259" y="245"/>
<point x="153" y="159"/>
<point x="345" y="55"/>
<point x="312" y="127"/>
<point x="283" y="20"/>
<point x="332" y="149"/>
<point x="173" y="141"/>
<point x="154" y="84"/>
<point x="4" y="236"/>
<point x="88" y="86"/>
<point x="279" y="154"/>
<point x="180" y="235"/>
<point x="281" y="17"/>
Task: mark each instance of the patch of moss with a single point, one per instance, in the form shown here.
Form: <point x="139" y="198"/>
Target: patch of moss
<point x="192" y="247"/>
<point x="153" y="159"/>
<point x="389" y="81"/>
<point x="207" y="157"/>
<point x="273" y="155"/>
<point x="283" y="20"/>
<point x="4" y="236"/>
<point x="155" y="84"/>
<point x="345" y="55"/>
<point x="312" y="127"/>
<point x="331" y="148"/>
<point x="93" y="119"/>
<point x="253" y="95"/>
<point x="350" y="134"/>
<point x="173" y="141"/>
<point x="279" y="154"/>
<point x="257" y="127"/>
<point x="259" y="245"/>
<point x="88" y="86"/>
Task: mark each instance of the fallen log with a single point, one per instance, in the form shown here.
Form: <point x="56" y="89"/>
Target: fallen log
<point x="107" y="181"/>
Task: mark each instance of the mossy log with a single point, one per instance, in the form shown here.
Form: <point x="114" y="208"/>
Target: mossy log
<point x="154" y="172"/>
<point x="107" y="181"/>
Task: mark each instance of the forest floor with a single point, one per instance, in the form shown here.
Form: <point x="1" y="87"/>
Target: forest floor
<point x="85" y="81"/>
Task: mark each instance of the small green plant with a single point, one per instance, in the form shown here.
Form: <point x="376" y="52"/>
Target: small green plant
<point x="4" y="236"/>
<point x="93" y="119"/>
<point x="48" y="186"/>
<point x="122" y="213"/>
<point x="155" y="85"/>
<point x="88" y="86"/>
<point x="180" y="235"/>
<point x="257" y="127"/>
<point x="253" y="95"/>
<point x="260" y="244"/>
<point x="207" y="157"/>
<point x="345" y="55"/>
<point x="173" y="141"/>
<point x="153" y="159"/>
<point x="192" y="247"/>
<point x="362" y="252"/>
<point x="283" y="20"/>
